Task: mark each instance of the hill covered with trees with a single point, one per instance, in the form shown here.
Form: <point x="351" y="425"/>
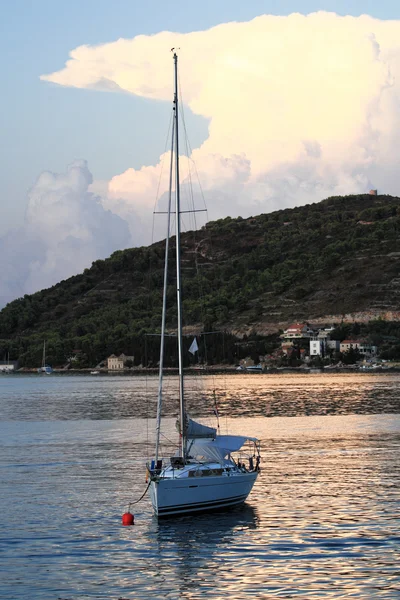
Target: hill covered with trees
<point x="326" y="262"/>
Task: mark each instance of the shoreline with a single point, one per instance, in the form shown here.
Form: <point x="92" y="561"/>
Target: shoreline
<point x="213" y="371"/>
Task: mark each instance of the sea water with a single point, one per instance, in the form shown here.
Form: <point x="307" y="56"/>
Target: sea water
<point x="322" y="521"/>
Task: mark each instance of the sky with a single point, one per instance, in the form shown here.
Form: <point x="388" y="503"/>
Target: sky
<point x="285" y="103"/>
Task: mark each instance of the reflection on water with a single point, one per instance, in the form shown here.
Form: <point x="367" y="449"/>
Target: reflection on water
<point x="188" y="550"/>
<point x="321" y="522"/>
<point x="63" y="397"/>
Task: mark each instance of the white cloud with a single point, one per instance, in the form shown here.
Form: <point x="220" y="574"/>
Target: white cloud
<point x="66" y="228"/>
<point x="299" y="107"/>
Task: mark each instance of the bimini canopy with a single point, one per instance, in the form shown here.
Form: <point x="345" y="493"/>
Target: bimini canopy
<point x="217" y="449"/>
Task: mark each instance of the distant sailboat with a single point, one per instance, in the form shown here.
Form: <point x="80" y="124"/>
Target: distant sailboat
<point x="203" y="474"/>
<point x="44" y="368"/>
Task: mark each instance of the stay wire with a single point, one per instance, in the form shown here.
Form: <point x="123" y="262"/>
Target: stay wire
<point x="150" y="272"/>
<point x="193" y="209"/>
<point x="167" y="139"/>
<point x="189" y="153"/>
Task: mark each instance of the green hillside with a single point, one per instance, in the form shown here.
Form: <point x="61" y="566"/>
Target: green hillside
<point x="320" y="261"/>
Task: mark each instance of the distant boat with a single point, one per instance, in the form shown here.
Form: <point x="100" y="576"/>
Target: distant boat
<point x="95" y="372"/>
<point x="44" y="368"/>
<point x="254" y="369"/>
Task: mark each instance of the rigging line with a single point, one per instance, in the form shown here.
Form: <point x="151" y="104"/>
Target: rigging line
<point x="188" y="153"/>
<point x="161" y="172"/>
<point x="149" y="253"/>
<point x="174" y="444"/>
<point x="164" y="304"/>
<point x="194" y="228"/>
<point x="188" y="149"/>
<point x="190" y="160"/>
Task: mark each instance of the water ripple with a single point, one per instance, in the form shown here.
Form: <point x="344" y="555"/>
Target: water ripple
<point x="322" y="521"/>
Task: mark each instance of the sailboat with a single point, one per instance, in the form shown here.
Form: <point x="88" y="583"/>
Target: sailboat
<point x="203" y="474"/>
<point x="44" y="368"/>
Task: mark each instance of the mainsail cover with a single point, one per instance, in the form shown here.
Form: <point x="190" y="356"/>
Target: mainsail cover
<point x="196" y="430"/>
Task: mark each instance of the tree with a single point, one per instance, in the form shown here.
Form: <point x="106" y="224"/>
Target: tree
<point x="351" y="356"/>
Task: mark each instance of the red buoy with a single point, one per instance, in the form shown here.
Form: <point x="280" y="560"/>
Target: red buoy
<point x="128" y="519"/>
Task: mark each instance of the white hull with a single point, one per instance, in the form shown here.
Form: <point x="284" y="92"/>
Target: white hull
<point x="190" y="494"/>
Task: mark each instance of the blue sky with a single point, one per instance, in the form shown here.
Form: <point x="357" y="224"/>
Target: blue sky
<point x="45" y="127"/>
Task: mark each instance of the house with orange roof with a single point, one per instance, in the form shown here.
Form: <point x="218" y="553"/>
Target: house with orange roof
<point x="298" y="331"/>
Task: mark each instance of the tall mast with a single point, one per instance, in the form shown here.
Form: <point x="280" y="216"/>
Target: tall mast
<point x="182" y="415"/>
<point x="164" y="305"/>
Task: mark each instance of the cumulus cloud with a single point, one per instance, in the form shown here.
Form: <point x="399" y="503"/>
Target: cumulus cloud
<point x="66" y="228"/>
<point x="299" y="107"/>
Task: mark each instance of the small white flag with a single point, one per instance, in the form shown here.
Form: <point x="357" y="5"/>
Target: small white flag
<point x="194" y="347"/>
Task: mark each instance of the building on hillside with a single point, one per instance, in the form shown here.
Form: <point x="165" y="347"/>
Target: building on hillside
<point x="321" y="344"/>
<point x="297" y="331"/>
<point x="117" y="363"/>
<point x="347" y="344"/>
<point x="325" y="333"/>
<point x="368" y="349"/>
<point x="333" y="345"/>
<point x="296" y="336"/>
<point x="317" y="347"/>
<point x="363" y="347"/>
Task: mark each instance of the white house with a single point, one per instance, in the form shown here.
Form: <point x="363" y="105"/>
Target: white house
<point x="317" y="347"/>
